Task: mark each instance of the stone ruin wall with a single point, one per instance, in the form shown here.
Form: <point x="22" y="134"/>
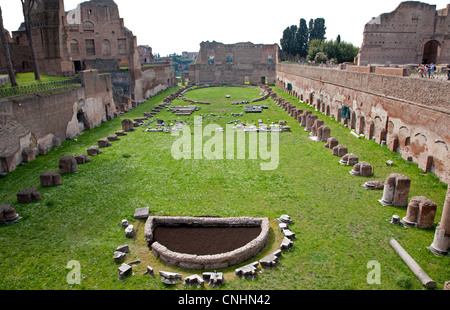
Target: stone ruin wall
<point x="157" y="78"/>
<point x="383" y="108"/>
<point x="41" y="122"/>
<point x="400" y="37"/>
<point x="249" y="63"/>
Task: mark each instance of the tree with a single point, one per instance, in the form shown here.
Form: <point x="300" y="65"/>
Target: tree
<point x="338" y="39"/>
<point x="303" y="38"/>
<point x="321" y="57"/>
<point x="6" y="53"/>
<point x="317" y="29"/>
<point x="289" y="41"/>
<point x="27" y="6"/>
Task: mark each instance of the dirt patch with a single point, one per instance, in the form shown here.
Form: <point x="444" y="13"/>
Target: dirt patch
<point x="204" y="240"/>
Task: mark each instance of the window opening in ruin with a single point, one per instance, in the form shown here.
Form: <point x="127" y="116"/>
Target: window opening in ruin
<point x="90" y="47"/>
<point x="122" y="44"/>
<point x="74" y="48"/>
<point x="229" y="59"/>
<point x="270" y="58"/>
<point x="211" y="60"/>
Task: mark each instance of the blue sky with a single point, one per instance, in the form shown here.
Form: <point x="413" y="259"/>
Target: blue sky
<point x="177" y="26"/>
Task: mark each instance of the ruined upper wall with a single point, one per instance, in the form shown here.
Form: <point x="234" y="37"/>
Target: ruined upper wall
<point x="412" y="34"/>
<point x="239" y="53"/>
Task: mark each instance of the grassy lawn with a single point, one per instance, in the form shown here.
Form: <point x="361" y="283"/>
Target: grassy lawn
<point x="340" y="226"/>
<point x="24" y="79"/>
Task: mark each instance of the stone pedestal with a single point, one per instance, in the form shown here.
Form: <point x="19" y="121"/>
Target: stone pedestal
<point x="323" y="133"/>
<point x="28" y="195"/>
<point x="362" y="169"/>
<point x="331" y="143"/>
<point x="340" y="150"/>
<point x="396" y="190"/>
<point x="50" y="178"/>
<point x="8" y="214"/>
<point x="93" y="151"/>
<point x="82" y="159"/>
<point x="310" y="119"/>
<point x="421" y="212"/>
<point x="103" y="143"/>
<point x="68" y="164"/>
<point x="127" y="125"/>
<point x="349" y="159"/>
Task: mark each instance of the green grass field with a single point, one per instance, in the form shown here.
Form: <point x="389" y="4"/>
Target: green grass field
<point x="25" y="79"/>
<point x="340" y="226"/>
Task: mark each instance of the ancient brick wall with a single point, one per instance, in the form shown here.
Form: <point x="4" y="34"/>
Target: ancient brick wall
<point x="41" y="122"/>
<point x="413" y="33"/>
<point x="413" y="111"/>
<point x="219" y="63"/>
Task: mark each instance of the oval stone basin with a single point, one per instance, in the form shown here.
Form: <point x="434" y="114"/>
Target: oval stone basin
<point x="206" y="242"/>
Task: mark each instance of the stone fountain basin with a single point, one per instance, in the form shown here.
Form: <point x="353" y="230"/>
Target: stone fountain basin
<point x="214" y="261"/>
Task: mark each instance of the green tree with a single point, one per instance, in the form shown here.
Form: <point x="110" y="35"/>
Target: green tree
<point x="303" y="38"/>
<point x="289" y="41"/>
<point x="317" y="29"/>
<point x="321" y="57"/>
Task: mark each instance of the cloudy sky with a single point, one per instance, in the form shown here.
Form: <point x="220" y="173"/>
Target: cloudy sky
<point x="175" y="26"/>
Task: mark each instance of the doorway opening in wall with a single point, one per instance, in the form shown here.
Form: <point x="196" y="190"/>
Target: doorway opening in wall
<point x="246" y="80"/>
<point x="263" y="80"/>
<point x="108" y="111"/>
<point x="431" y="52"/>
<point x="82" y="120"/>
<point x="77" y="66"/>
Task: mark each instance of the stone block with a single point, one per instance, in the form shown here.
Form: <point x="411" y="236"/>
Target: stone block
<point x="271" y="260"/>
<point x="331" y="143"/>
<point x="170" y="278"/>
<point x="28" y="195"/>
<point x="94" y="151"/>
<point x="129" y="231"/>
<point x="124" y="270"/>
<point x="340" y="150"/>
<point x="113" y="138"/>
<point x="247" y="271"/>
<point x="194" y="280"/>
<point x="142" y="213"/>
<point x="103" y="143"/>
<point x="396" y="190"/>
<point x="8" y="214"/>
<point x="82" y="159"/>
<point x="286" y="244"/>
<point x="50" y="178"/>
<point x="421" y="212"/>
<point x="68" y="164"/>
<point x="121" y="133"/>
<point x="127" y="125"/>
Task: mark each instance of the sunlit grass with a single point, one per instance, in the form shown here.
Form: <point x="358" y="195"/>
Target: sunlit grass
<point x="340" y="226"/>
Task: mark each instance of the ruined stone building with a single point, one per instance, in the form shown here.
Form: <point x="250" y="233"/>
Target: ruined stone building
<point x="146" y="54"/>
<point x="414" y="33"/>
<point x="238" y="63"/>
<point x="49" y="31"/>
<point x="98" y="37"/>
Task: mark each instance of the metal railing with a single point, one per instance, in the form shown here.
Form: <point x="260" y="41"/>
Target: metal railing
<point x="34" y="88"/>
